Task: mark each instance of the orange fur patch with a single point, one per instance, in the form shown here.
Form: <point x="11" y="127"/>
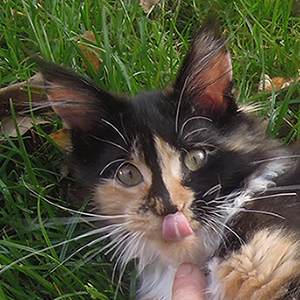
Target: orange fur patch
<point x="262" y="268"/>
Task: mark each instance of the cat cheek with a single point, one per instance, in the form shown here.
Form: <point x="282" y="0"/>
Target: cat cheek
<point x="113" y="199"/>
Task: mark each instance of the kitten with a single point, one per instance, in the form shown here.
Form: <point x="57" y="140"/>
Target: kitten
<point x="186" y="175"/>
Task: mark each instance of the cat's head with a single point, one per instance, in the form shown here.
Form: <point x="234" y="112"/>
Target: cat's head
<point x="163" y="163"/>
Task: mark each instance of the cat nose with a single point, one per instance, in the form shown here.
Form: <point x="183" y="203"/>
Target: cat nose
<point x="159" y="200"/>
<point x="162" y="207"/>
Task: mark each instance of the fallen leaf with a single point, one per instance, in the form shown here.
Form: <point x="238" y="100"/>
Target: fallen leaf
<point x="148" y="4"/>
<point x="91" y="53"/>
<point x="277" y="83"/>
<point x="62" y="138"/>
<point x="24" y="123"/>
<point x="18" y="92"/>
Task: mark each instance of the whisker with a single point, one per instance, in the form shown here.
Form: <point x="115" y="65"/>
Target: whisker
<point x="215" y="227"/>
<point x="274" y="159"/>
<point x="124" y="250"/>
<point x="109" y="164"/>
<point x="193" y="132"/>
<point x="213" y="190"/>
<point x="231" y="230"/>
<point x="96" y="216"/>
<point x="118" y="231"/>
<point x="262" y="212"/>
<point x="133" y="244"/>
<point x="86" y="260"/>
<point x="79" y="250"/>
<point x="226" y="199"/>
<point x="179" y="105"/>
<point x="37" y="252"/>
<point x="116" y="129"/>
<point x="273" y="196"/>
<point x="284" y="188"/>
<point x="123" y="127"/>
<point x="244" y="209"/>
<point x="218" y="213"/>
<point x="192" y="119"/>
<point x="117" y="245"/>
<point x="111" y="143"/>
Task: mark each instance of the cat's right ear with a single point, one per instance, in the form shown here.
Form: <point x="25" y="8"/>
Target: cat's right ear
<point x="204" y="81"/>
<point x="77" y="101"/>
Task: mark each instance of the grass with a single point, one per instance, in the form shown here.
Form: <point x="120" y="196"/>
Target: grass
<point x="138" y="51"/>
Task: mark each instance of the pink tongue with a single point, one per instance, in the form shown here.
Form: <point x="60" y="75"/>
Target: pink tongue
<point x="176" y="227"/>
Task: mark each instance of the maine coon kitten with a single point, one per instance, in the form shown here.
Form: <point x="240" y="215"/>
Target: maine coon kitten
<point x="186" y="175"/>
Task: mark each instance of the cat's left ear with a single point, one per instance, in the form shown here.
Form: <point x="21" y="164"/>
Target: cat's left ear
<point x="204" y="81"/>
<point x="77" y="101"/>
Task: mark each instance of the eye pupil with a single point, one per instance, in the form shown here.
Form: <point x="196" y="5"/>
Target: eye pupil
<point x="194" y="160"/>
<point x="129" y="175"/>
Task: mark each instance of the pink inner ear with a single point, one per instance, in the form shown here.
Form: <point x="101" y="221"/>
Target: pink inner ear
<point x="72" y="107"/>
<point x="217" y="78"/>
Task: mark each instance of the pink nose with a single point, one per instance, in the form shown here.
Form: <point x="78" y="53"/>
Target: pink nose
<point x="176" y="227"/>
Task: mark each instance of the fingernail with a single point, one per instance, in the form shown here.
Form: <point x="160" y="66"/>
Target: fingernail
<point x="184" y="270"/>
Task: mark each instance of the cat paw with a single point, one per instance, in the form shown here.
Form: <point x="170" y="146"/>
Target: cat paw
<point x="263" y="269"/>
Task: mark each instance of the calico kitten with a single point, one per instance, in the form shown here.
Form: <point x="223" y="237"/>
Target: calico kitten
<point x="186" y="175"/>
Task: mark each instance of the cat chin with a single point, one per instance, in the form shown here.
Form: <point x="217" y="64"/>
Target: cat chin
<point x="195" y="248"/>
<point x="157" y="280"/>
<point x="157" y="266"/>
<point x="158" y="262"/>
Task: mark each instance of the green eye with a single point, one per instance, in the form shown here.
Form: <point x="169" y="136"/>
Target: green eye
<point x="194" y="160"/>
<point x="129" y="175"/>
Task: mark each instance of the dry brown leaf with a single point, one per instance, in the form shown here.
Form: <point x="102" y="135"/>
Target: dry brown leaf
<point x="18" y="92"/>
<point x="147" y="4"/>
<point x="91" y="53"/>
<point x="25" y="123"/>
<point x="62" y="138"/>
<point x="277" y="83"/>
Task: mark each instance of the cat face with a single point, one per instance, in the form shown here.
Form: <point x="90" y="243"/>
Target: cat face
<point x="160" y="165"/>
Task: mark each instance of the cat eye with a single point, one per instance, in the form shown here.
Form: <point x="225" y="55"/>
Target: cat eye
<point x="129" y="175"/>
<point x="194" y="159"/>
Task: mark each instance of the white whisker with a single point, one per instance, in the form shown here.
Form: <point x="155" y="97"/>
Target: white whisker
<point x="118" y="244"/>
<point x="111" y="143"/>
<point x="193" y="119"/>
<point x="109" y="164"/>
<point x="215" y="227"/>
<point x="80" y="249"/>
<point x="81" y="213"/>
<point x="179" y="105"/>
<point x="272" y="196"/>
<point x="116" y="129"/>
<point x="284" y="188"/>
<point x="38" y="252"/>
<point x="133" y="243"/>
<point x="193" y="132"/>
<point x="231" y="230"/>
<point x="213" y="190"/>
<point x="261" y="212"/>
<point x="130" y="250"/>
<point x="274" y="158"/>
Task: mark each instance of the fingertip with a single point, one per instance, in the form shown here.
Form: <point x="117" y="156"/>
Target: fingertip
<point x="184" y="270"/>
<point x="189" y="283"/>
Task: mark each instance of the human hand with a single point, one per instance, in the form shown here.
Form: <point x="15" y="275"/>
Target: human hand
<point x="189" y="283"/>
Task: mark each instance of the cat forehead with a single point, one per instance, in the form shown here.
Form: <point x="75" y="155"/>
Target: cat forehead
<point x="150" y="104"/>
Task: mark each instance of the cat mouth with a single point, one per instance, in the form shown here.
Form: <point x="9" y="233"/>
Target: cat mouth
<point x="176" y="227"/>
